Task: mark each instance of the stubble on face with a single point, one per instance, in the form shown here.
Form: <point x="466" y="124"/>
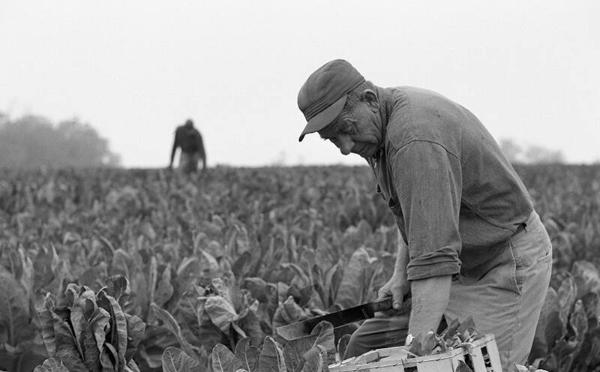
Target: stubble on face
<point x="367" y="134"/>
<point x="358" y="124"/>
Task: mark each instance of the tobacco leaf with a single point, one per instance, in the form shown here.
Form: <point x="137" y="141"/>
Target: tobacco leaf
<point x="351" y="287"/>
<point x="46" y="321"/>
<point x="171" y="324"/>
<point x="322" y="335"/>
<point x="51" y="365"/>
<point x="118" y="326"/>
<point x="248" y="352"/>
<point x="288" y="312"/>
<point x="223" y="360"/>
<point x="342" y="345"/>
<point x="15" y="326"/>
<point x="567" y="294"/>
<point x="176" y="360"/>
<point x="221" y="312"/>
<point x="164" y="290"/>
<point x="135" y="334"/>
<point x="271" y="357"/>
<point x="587" y="277"/>
<point x="314" y="360"/>
<point x="251" y="324"/>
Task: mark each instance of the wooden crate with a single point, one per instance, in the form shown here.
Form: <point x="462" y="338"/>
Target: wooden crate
<point x="481" y="355"/>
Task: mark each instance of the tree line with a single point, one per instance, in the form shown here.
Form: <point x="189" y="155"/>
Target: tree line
<point x="33" y="141"/>
<point x="530" y="153"/>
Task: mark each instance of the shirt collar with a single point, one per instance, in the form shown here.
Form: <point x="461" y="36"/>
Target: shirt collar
<point x="385" y="106"/>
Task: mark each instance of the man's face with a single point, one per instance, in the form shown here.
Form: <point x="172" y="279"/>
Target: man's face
<point x="355" y="131"/>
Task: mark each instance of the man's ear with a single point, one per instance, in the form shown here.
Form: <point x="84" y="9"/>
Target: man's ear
<point x="370" y="97"/>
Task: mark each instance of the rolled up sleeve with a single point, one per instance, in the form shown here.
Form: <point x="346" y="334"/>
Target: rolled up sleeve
<point x="428" y="183"/>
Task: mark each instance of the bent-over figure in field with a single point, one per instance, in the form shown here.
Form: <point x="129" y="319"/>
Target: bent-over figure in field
<point x="189" y="139"/>
<point x="472" y="244"/>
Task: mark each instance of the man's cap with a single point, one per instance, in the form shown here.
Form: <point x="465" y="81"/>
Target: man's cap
<point x="323" y="95"/>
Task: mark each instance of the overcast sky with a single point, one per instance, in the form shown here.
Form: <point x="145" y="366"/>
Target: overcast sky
<point x="136" y="69"/>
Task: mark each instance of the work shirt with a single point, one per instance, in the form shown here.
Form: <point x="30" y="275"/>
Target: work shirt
<point x="189" y="140"/>
<point x="456" y="197"/>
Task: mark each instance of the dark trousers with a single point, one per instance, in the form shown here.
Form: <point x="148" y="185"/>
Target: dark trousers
<point x="378" y="333"/>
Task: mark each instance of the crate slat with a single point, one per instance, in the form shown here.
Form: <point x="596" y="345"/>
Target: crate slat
<point x="482" y="354"/>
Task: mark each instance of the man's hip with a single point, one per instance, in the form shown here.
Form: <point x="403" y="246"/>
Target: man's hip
<point x="188" y="161"/>
<point x="506" y="301"/>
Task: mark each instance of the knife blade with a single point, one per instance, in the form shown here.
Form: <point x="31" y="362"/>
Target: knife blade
<point x="352" y="314"/>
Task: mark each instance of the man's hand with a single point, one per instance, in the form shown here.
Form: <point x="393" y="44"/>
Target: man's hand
<point x="396" y="288"/>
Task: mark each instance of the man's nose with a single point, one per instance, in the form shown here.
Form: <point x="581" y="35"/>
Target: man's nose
<point x="346" y="145"/>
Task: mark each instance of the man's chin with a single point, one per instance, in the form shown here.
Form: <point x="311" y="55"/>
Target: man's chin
<point x="366" y="155"/>
<point x="366" y="152"/>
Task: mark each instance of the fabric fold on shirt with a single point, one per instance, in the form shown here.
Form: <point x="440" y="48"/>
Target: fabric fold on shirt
<point x="440" y="262"/>
<point x="455" y="196"/>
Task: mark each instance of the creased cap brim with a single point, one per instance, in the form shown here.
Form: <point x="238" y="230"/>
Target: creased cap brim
<point x="324" y="118"/>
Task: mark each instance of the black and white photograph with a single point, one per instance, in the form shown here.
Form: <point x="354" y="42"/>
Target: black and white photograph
<point x="299" y="186"/>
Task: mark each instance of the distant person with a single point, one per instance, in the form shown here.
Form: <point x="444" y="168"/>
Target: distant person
<point x="189" y="139"/>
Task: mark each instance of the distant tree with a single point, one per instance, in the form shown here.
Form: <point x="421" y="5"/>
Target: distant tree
<point x="530" y="154"/>
<point x="84" y="146"/>
<point x="539" y="155"/>
<point x="33" y="142"/>
<point x="280" y="160"/>
<point x="511" y="150"/>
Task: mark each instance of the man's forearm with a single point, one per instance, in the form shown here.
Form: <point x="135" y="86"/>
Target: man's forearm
<point x="429" y="302"/>
<point x="203" y="156"/>
<point x="173" y="150"/>
<point x="401" y="256"/>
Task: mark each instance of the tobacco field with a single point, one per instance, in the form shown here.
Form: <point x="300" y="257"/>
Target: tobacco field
<point x="149" y="270"/>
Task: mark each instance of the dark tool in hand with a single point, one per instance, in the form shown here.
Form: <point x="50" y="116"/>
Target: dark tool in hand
<point x="339" y="318"/>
